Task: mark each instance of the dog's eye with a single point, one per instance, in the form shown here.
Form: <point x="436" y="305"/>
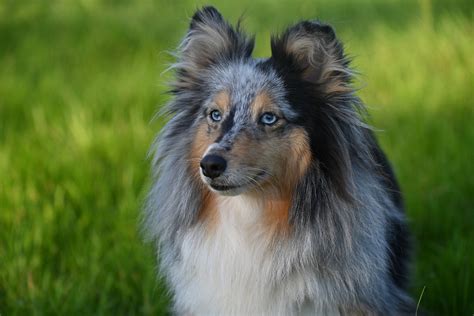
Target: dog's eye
<point x="215" y="115"/>
<point x="268" y="118"/>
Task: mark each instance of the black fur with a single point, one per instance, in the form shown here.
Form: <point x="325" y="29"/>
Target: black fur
<point x="332" y="142"/>
<point x="348" y="229"/>
<point x="330" y="134"/>
<point x="226" y="125"/>
<point x="240" y="46"/>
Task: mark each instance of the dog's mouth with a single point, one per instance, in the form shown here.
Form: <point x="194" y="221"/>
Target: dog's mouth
<point x="237" y="188"/>
<point x="225" y="187"/>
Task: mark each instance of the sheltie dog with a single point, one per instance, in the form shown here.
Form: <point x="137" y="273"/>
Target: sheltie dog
<point x="270" y="194"/>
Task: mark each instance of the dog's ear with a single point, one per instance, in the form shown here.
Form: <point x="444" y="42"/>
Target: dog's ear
<point x="308" y="55"/>
<point x="311" y="50"/>
<point x="209" y="40"/>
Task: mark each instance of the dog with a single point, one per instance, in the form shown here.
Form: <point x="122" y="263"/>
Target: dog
<point x="270" y="193"/>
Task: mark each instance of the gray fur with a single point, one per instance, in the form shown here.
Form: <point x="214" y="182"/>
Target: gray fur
<point x="337" y="254"/>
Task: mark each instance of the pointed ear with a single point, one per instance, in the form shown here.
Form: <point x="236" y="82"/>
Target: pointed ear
<point x="209" y="40"/>
<point x="312" y="50"/>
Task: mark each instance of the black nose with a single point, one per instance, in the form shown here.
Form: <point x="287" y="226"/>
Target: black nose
<point x="213" y="166"/>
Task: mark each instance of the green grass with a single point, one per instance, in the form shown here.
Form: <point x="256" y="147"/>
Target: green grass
<point x="79" y="83"/>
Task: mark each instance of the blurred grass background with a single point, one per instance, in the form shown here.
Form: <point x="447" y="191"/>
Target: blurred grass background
<point x="79" y="84"/>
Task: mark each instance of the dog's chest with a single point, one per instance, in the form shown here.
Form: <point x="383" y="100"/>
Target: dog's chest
<point x="233" y="268"/>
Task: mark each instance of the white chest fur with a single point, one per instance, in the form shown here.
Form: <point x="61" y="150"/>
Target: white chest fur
<point x="233" y="270"/>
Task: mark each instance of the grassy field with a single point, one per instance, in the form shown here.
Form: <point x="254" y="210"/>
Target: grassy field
<point x="80" y="82"/>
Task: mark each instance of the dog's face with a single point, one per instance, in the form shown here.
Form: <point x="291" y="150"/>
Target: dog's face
<point x="245" y="139"/>
<point x="254" y="123"/>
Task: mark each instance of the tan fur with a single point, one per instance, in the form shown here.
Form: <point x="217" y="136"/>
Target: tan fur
<point x="321" y="64"/>
<point x="336" y="87"/>
<point x="246" y="150"/>
<point x="299" y="156"/>
<point x="208" y="212"/>
<point x="198" y="51"/>
<point x="301" y="47"/>
<point x="222" y="100"/>
<point x="261" y="104"/>
<point x="203" y="139"/>
<point x="277" y="213"/>
<point x="288" y="158"/>
<point x="202" y="45"/>
<point x="285" y="157"/>
<point x="293" y="167"/>
<point x="201" y="142"/>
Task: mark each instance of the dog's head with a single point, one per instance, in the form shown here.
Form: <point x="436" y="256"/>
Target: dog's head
<point x="259" y="124"/>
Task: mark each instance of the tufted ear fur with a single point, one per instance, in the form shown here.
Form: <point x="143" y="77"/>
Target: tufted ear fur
<point x="312" y="49"/>
<point x="316" y="72"/>
<point x="209" y="40"/>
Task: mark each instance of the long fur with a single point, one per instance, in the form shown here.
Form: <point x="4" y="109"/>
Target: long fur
<point x="343" y="247"/>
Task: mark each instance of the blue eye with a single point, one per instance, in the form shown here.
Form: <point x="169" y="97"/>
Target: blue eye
<point x="215" y="115"/>
<point x="268" y="118"/>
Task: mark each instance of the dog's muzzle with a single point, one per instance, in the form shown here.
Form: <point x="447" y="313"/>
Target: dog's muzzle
<point x="213" y="166"/>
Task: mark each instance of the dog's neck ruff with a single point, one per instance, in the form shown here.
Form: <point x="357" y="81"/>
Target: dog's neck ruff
<point x="234" y="268"/>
